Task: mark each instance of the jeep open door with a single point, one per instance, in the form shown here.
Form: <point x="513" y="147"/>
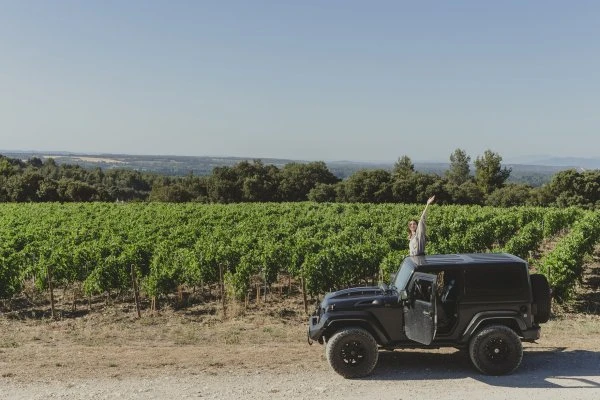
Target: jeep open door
<point x="420" y="320"/>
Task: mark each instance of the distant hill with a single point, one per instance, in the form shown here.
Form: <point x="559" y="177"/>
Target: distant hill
<point x="534" y="173"/>
<point x="563" y="162"/>
<point x="162" y="164"/>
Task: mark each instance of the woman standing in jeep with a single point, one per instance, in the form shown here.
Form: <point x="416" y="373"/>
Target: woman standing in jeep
<point x="416" y="232"/>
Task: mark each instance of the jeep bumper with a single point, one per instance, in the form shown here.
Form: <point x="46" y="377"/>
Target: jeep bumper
<point x="531" y="335"/>
<point x="316" y="327"/>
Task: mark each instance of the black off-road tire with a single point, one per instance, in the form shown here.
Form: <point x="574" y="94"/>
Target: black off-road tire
<point x="352" y="352"/>
<point x="496" y="350"/>
<point x="541" y="297"/>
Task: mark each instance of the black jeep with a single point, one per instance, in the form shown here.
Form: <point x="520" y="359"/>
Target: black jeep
<point x="486" y="303"/>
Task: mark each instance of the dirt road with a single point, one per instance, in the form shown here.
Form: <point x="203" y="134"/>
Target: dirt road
<point x="546" y="373"/>
<point x="260" y="352"/>
<point x="172" y="356"/>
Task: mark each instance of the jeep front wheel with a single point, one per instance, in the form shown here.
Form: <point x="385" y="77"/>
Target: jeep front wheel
<point x="496" y="350"/>
<point x="352" y="352"/>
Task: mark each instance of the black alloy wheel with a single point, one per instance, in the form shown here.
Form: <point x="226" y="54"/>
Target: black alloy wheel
<point x="496" y="350"/>
<point x="352" y="352"/>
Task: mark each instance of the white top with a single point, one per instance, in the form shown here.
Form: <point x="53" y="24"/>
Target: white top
<point x="416" y="245"/>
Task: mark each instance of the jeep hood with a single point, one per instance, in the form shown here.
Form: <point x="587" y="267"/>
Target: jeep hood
<point x="368" y="291"/>
<point x="353" y="297"/>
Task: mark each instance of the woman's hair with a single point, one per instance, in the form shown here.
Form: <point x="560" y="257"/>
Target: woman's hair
<point x="408" y="226"/>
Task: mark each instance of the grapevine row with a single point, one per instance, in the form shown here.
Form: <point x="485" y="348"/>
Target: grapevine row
<point x="329" y="246"/>
<point x="564" y="264"/>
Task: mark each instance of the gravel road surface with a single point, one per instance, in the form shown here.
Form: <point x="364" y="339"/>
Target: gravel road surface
<point x="545" y="373"/>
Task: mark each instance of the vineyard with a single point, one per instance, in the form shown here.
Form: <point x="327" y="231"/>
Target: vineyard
<point x="108" y="248"/>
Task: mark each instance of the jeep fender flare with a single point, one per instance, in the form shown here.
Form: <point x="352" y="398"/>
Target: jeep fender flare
<point x="362" y="320"/>
<point x="480" y="318"/>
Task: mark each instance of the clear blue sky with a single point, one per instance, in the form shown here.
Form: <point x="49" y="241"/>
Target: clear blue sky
<point x="302" y="79"/>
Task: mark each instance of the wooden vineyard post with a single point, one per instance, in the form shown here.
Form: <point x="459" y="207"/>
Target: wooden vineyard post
<point x="135" y="292"/>
<point x="265" y="275"/>
<point x="51" y="288"/>
<point x="74" y="305"/>
<point x="222" y="289"/>
<point x="304" y="295"/>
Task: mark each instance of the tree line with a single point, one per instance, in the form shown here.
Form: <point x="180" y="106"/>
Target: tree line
<point x="37" y="180"/>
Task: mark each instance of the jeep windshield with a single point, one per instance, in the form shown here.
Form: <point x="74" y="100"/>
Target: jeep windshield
<point x="403" y="275"/>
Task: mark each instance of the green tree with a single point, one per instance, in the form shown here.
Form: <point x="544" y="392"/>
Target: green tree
<point x="403" y="168"/>
<point x="197" y="186"/>
<point x="426" y="186"/>
<point x="510" y="195"/>
<point x="261" y="184"/>
<point x="458" y="172"/>
<point x="323" y="192"/>
<point x="48" y="190"/>
<point x="369" y="186"/>
<point x="10" y="166"/>
<point x="172" y="193"/>
<point x="489" y="174"/>
<point x="404" y="190"/>
<point x="572" y="188"/>
<point x="467" y="193"/>
<point x="24" y="186"/>
<point x="223" y="187"/>
<point x="297" y="179"/>
<point x="50" y="169"/>
<point x="35" y="162"/>
<point x="74" y="190"/>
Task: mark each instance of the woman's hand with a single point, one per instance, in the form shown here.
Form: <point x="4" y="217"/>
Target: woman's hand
<point x="430" y="200"/>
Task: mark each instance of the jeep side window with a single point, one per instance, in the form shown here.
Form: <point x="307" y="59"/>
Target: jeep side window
<point x="498" y="281"/>
<point x="449" y="291"/>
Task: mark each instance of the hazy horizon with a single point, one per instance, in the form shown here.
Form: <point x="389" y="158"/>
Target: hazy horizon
<point x="335" y="80"/>
<point x="533" y="160"/>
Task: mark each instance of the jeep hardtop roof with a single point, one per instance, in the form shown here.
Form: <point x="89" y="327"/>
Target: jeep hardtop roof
<point x="451" y="260"/>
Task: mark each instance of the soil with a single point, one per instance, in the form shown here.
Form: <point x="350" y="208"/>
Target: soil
<point x="261" y="351"/>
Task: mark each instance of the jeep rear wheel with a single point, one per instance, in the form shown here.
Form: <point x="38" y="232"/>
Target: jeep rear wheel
<point x="541" y="297"/>
<point x="352" y="352"/>
<point x="496" y="350"/>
